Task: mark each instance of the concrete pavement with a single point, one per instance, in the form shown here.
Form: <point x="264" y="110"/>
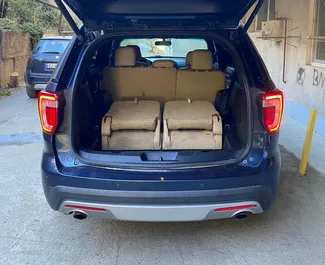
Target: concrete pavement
<point x="293" y="133"/>
<point x="292" y="232"/>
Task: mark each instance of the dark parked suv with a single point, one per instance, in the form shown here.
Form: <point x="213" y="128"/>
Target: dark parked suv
<point x="42" y="62"/>
<point x="161" y="111"/>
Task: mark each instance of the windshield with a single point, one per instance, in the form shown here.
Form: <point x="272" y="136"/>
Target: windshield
<point x="51" y="46"/>
<point x="177" y="47"/>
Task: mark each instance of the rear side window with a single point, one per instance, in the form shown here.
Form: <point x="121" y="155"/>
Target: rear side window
<point x="51" y="46"/>
<point x="158" y="48"/>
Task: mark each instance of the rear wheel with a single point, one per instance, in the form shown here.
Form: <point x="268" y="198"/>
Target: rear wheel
<point x="31" y="92"/>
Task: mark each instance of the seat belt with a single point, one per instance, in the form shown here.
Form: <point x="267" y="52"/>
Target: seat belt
<point x="226" y="112"/>
<point x="231" y="89"/>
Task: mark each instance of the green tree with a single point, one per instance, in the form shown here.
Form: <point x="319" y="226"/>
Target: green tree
<point x="32" y="16"/>
<point x="21" y="12"/>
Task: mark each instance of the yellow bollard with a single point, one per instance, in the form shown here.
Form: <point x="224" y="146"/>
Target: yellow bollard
<point x="307" y="144"/>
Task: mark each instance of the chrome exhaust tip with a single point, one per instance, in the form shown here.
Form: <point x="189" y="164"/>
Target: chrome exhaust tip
<point x="79" y="215"/>
<point x="241" y="215"/>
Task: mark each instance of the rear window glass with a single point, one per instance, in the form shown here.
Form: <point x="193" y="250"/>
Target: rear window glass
<point x="175" y="47"/>
<point x="51" y="46"/>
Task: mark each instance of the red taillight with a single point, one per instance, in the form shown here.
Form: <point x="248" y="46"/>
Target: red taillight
<point x="48" y="105"/>
<point x="30" y="62"/>
<point x="235" y="208"/>
<point x="85" y="208"/>
<point x="272" y="110"/>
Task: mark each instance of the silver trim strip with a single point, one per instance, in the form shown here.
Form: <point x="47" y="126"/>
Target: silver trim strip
<point x="161" y="213"/>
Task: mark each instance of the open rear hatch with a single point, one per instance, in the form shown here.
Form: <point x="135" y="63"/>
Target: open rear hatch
<point x="98" y="14"/>
<point x="207" y="143"/>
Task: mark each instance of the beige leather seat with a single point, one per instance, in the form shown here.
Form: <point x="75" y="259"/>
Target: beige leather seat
<point x="191" y="125"/>
<point x="132" y="125"/>
<point x="140" y="61"/>
<point x="201" y="82"/>
<point x="125" y="81"/>
<point x="188" y="59"/>
<point x="163" y="64"/>
<point x="135" y="124"/>
<point x="194" y="123"/>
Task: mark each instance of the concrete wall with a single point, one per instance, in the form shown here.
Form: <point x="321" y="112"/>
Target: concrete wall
<point x="305" y="83"/>
<point x="14" y="51"/>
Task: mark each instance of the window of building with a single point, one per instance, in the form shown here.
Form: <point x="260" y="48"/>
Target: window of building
<point x="318" y="53"/>
<point x="266" y="13"/>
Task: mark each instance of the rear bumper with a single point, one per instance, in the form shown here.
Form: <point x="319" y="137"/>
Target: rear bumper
<point x="152" y="200"/>
<point x="161" y="213"/>
<point x="36" y="81"/>
<point x="161" y="206"/>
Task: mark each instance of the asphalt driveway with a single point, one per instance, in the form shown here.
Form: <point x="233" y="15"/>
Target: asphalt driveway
<point x="292" y="232"/>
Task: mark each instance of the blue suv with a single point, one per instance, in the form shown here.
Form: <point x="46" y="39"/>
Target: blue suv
<point x="160" y="111"/>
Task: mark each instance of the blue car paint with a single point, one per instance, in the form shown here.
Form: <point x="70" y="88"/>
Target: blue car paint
<point x="256" y="178"/>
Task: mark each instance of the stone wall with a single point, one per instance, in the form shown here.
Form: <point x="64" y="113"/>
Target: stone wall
<point x="15" y="49"/>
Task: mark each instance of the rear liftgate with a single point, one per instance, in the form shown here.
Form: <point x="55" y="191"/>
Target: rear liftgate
<point x="102" y="15"/>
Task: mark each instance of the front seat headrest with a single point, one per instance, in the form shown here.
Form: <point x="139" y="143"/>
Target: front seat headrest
<point x="137" y="51"/>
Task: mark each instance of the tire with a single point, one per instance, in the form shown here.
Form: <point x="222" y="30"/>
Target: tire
<point x="31" y="92"/>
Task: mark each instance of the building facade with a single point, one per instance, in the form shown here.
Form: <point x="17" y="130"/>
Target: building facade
<point x="290" y="36"/>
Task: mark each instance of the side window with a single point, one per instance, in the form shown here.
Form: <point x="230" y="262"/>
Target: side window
<point x="51" y="46"/>
<point x="265" y="14"/>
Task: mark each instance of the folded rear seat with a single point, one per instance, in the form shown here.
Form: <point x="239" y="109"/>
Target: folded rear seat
<point x="194" y="124"/>
<point x="191" y="125"/>
<point x="135" y="125"/>
<point x="132" y="125"/>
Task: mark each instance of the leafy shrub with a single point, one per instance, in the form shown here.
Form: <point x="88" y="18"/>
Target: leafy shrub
<point x="36" y="32"/>
<point x="31" y="16"/>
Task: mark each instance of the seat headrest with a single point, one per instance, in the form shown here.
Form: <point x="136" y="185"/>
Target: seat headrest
<point x="188" y="58"/>
<point x="163" y="64"/>
<point x="201" y="60"/>
<point x="137" y="51"/>
<point x="125" y="56"/>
